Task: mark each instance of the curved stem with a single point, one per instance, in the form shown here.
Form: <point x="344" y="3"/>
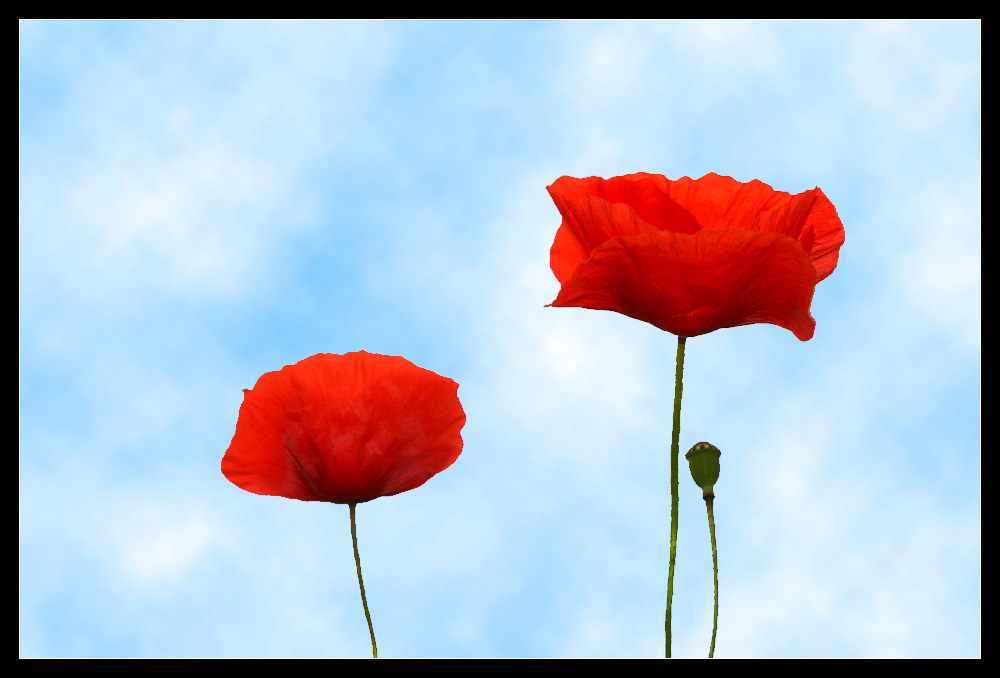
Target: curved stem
<point x="715" y="571"/>
<point x="364" y="601"/>
<point x="674" y="454"/>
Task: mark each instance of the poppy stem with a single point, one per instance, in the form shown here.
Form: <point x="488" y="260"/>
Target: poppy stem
<point x="709" y="497"/>
<point x="364" y="601"/>
<point x="674" y="501"/>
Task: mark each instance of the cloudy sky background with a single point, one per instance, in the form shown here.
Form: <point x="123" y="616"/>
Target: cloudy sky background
<point x="201" y="203"/>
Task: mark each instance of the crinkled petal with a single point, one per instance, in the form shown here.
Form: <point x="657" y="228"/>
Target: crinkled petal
<point x="810" y="218"/>
<point x="827" y="235"/>
<point x="719" y="202"/>
<point x="595" y="210"/>
<point x="694" y="284"/>
<point x="648" y="195"/>
<point x="587" y="224"/>
<point x="566" y="254"/>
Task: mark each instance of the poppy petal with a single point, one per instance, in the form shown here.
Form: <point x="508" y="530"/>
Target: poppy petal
<point x="717" y="202"/>
<point x="647" y="194"/>
<point x="595" y="210"/>
<point x="694" y="284"/>
<point x="722" y="202"/>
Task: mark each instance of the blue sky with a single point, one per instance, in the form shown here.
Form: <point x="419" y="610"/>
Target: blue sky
<point x="201" y="203"/>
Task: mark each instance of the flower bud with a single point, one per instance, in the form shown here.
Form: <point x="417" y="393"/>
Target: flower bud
<point x="703" y="459"/>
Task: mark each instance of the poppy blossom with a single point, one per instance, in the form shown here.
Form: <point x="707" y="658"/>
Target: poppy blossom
<point x="693" y="255"/>
<point x="345" y="429"/>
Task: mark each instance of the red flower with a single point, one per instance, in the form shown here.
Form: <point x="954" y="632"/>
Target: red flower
<point x="345" y="429"/>
<point x="693" y="255"/>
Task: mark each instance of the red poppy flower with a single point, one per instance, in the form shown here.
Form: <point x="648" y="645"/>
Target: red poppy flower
<point x="693" y="255"/>
<point x="345" y="429"/>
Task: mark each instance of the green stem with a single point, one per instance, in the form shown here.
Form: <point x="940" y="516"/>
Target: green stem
<point x="364" y="601"/>
<point x="715" y="571"/>
<point x="674" y="501"/>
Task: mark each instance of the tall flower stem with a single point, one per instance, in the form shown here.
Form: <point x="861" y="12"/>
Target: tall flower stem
<point x="715" y="570"/>
<point x="361" y="583"/>
<point x="674" y="500"/>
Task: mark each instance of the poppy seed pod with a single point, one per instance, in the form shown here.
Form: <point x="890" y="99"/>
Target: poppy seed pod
<point x="703" y="459"/>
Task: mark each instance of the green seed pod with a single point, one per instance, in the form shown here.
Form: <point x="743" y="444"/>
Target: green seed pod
<point x="703" y="459"/>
